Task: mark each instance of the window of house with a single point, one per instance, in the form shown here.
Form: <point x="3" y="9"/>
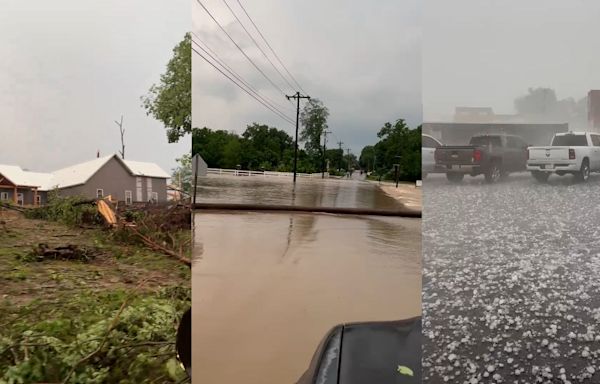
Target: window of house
<point x="128" y="198"/>
<point x="155" y="197"/>
<point x="99" y="193"/>
<point x="4" y="196"/>
<point x="38" y="199"/>
<point x="20" y="200"/>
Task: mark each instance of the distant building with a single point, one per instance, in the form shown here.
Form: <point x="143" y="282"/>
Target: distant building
<point x="594" y="109"/>
<point x="124" y="180"/>
<point x="455" y="133"/>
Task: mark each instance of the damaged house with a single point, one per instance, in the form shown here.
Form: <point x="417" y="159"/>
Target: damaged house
<point x="124" y="180"/>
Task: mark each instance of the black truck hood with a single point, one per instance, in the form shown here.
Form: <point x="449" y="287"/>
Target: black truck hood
<point x="368" y="352"/>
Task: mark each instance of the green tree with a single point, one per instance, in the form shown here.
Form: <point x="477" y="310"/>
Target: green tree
<point x="220" y="149"/>
<point x="182" y="174"/>
<point x="264" y="147"/>
<point x="336" y="159"/>
<point x="170" y="101"/>
<point x="314" y="121"/>
<point x="367" y="158"/>
<point x="401" y="145"/>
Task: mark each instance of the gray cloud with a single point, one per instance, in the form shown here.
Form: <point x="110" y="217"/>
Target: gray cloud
<point x="69" y="68"/>
<point x="487" y="53"/>
<point x="363" y="62"/>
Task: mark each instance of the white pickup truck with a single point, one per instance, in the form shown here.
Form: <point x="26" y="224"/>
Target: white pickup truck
<point x="577" y="153"/>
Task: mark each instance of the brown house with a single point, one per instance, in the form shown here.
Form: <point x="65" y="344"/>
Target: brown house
<point x="124" y="180"/>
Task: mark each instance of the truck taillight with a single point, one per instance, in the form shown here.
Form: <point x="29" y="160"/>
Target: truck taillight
<point x="527" y="150"/>
<point x="477" y="155"/>
<point x="571" y="154"/>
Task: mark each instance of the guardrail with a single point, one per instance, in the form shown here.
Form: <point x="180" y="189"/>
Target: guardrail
<point x="239" y="172"/>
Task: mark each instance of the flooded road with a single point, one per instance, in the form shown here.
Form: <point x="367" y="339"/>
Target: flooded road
<point x="268" y="286"/>
<point x="279" y="190"/>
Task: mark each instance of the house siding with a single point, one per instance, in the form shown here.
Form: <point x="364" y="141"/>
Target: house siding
<point x="28" y="195"/>
<point x="114" y="179"/>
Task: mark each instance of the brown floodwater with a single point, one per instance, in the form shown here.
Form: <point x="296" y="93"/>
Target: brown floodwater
<point x="268" y="286"/>
<point x="352" y="193"/>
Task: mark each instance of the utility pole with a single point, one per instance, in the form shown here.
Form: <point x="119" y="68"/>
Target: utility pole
<point x="325" y="132"/>
<point x="296" y="96"/>
<point x="120" y="124"/>
<point x="341" y="156"/>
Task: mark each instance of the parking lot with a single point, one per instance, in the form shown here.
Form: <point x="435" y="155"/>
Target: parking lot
<point x="511" y="280"/>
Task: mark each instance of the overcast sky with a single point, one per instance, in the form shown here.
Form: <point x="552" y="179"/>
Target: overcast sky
<point x="69" y="68"/>
<point x="363" y="60"/>
<point x="488" y="52"/>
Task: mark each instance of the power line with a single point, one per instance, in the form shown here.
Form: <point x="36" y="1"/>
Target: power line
<point x="258" y="46"/>
<point x="240" y="48"/>
<point x="243" y="89"/>
<point x="215" y="57"/>
<point x="269" y="45"/>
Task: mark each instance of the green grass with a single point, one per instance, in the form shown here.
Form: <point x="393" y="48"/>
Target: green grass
<point x="55" y="312"/>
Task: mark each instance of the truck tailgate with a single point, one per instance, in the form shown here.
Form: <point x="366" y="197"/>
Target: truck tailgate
<point x="455" y="154"/>
<point x="548" y="153"/>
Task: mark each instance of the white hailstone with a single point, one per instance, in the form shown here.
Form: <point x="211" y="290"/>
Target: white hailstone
<point x="591" y="369"/>
<point x="530" y="356"/>
<point x="510" y="360"/>
<point x="544" y="342"/>
<point x="572" y="335"/>
<point x="497" y="377"/>
<point x="585" y="353"/>
<point x="490" y="368"/>
<point x="452" y="357"/>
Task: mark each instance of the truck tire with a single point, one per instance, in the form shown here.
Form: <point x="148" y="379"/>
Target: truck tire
<point x="455" y="177"/>
<point x="541" y="177"/>
<point x="584" y="173"/>
<point x="493" y="173"/>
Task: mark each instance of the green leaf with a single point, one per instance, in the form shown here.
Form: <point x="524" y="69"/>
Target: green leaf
<point x="403" y="370"/>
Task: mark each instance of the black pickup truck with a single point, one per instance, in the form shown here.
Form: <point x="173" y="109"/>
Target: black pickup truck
<point x="494" y="156"/>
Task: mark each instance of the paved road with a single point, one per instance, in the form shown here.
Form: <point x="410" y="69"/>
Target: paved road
<point x="511" y="281"/>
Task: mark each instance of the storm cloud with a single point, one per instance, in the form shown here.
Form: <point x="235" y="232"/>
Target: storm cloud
<point x="363" y="62"/>
<point x="68" y="69"/>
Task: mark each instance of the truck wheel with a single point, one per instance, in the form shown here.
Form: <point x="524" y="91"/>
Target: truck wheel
<point x="493" y="173"/>
<point x="584" y="173"/>
<point x="455" y="177"/>
<point x="542" y="177"/>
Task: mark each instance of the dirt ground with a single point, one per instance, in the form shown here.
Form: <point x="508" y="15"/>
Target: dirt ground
<point x="406" y="193"/>
<point x="112" y="265"/>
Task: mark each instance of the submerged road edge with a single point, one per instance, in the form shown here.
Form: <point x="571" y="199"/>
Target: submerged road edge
<point x="297" y="208"/>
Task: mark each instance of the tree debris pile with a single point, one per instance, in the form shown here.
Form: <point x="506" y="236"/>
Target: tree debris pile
<point x="164" y="228"/>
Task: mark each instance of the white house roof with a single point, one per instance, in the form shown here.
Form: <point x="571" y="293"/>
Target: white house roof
<point x="76" y="174"/>
<point x="18" y="176"/>
<point x="79" y="173"/>
<point x="140" y="168"/>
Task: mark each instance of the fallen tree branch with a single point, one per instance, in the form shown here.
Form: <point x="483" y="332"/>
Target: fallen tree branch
<point x="152" y="244"/>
